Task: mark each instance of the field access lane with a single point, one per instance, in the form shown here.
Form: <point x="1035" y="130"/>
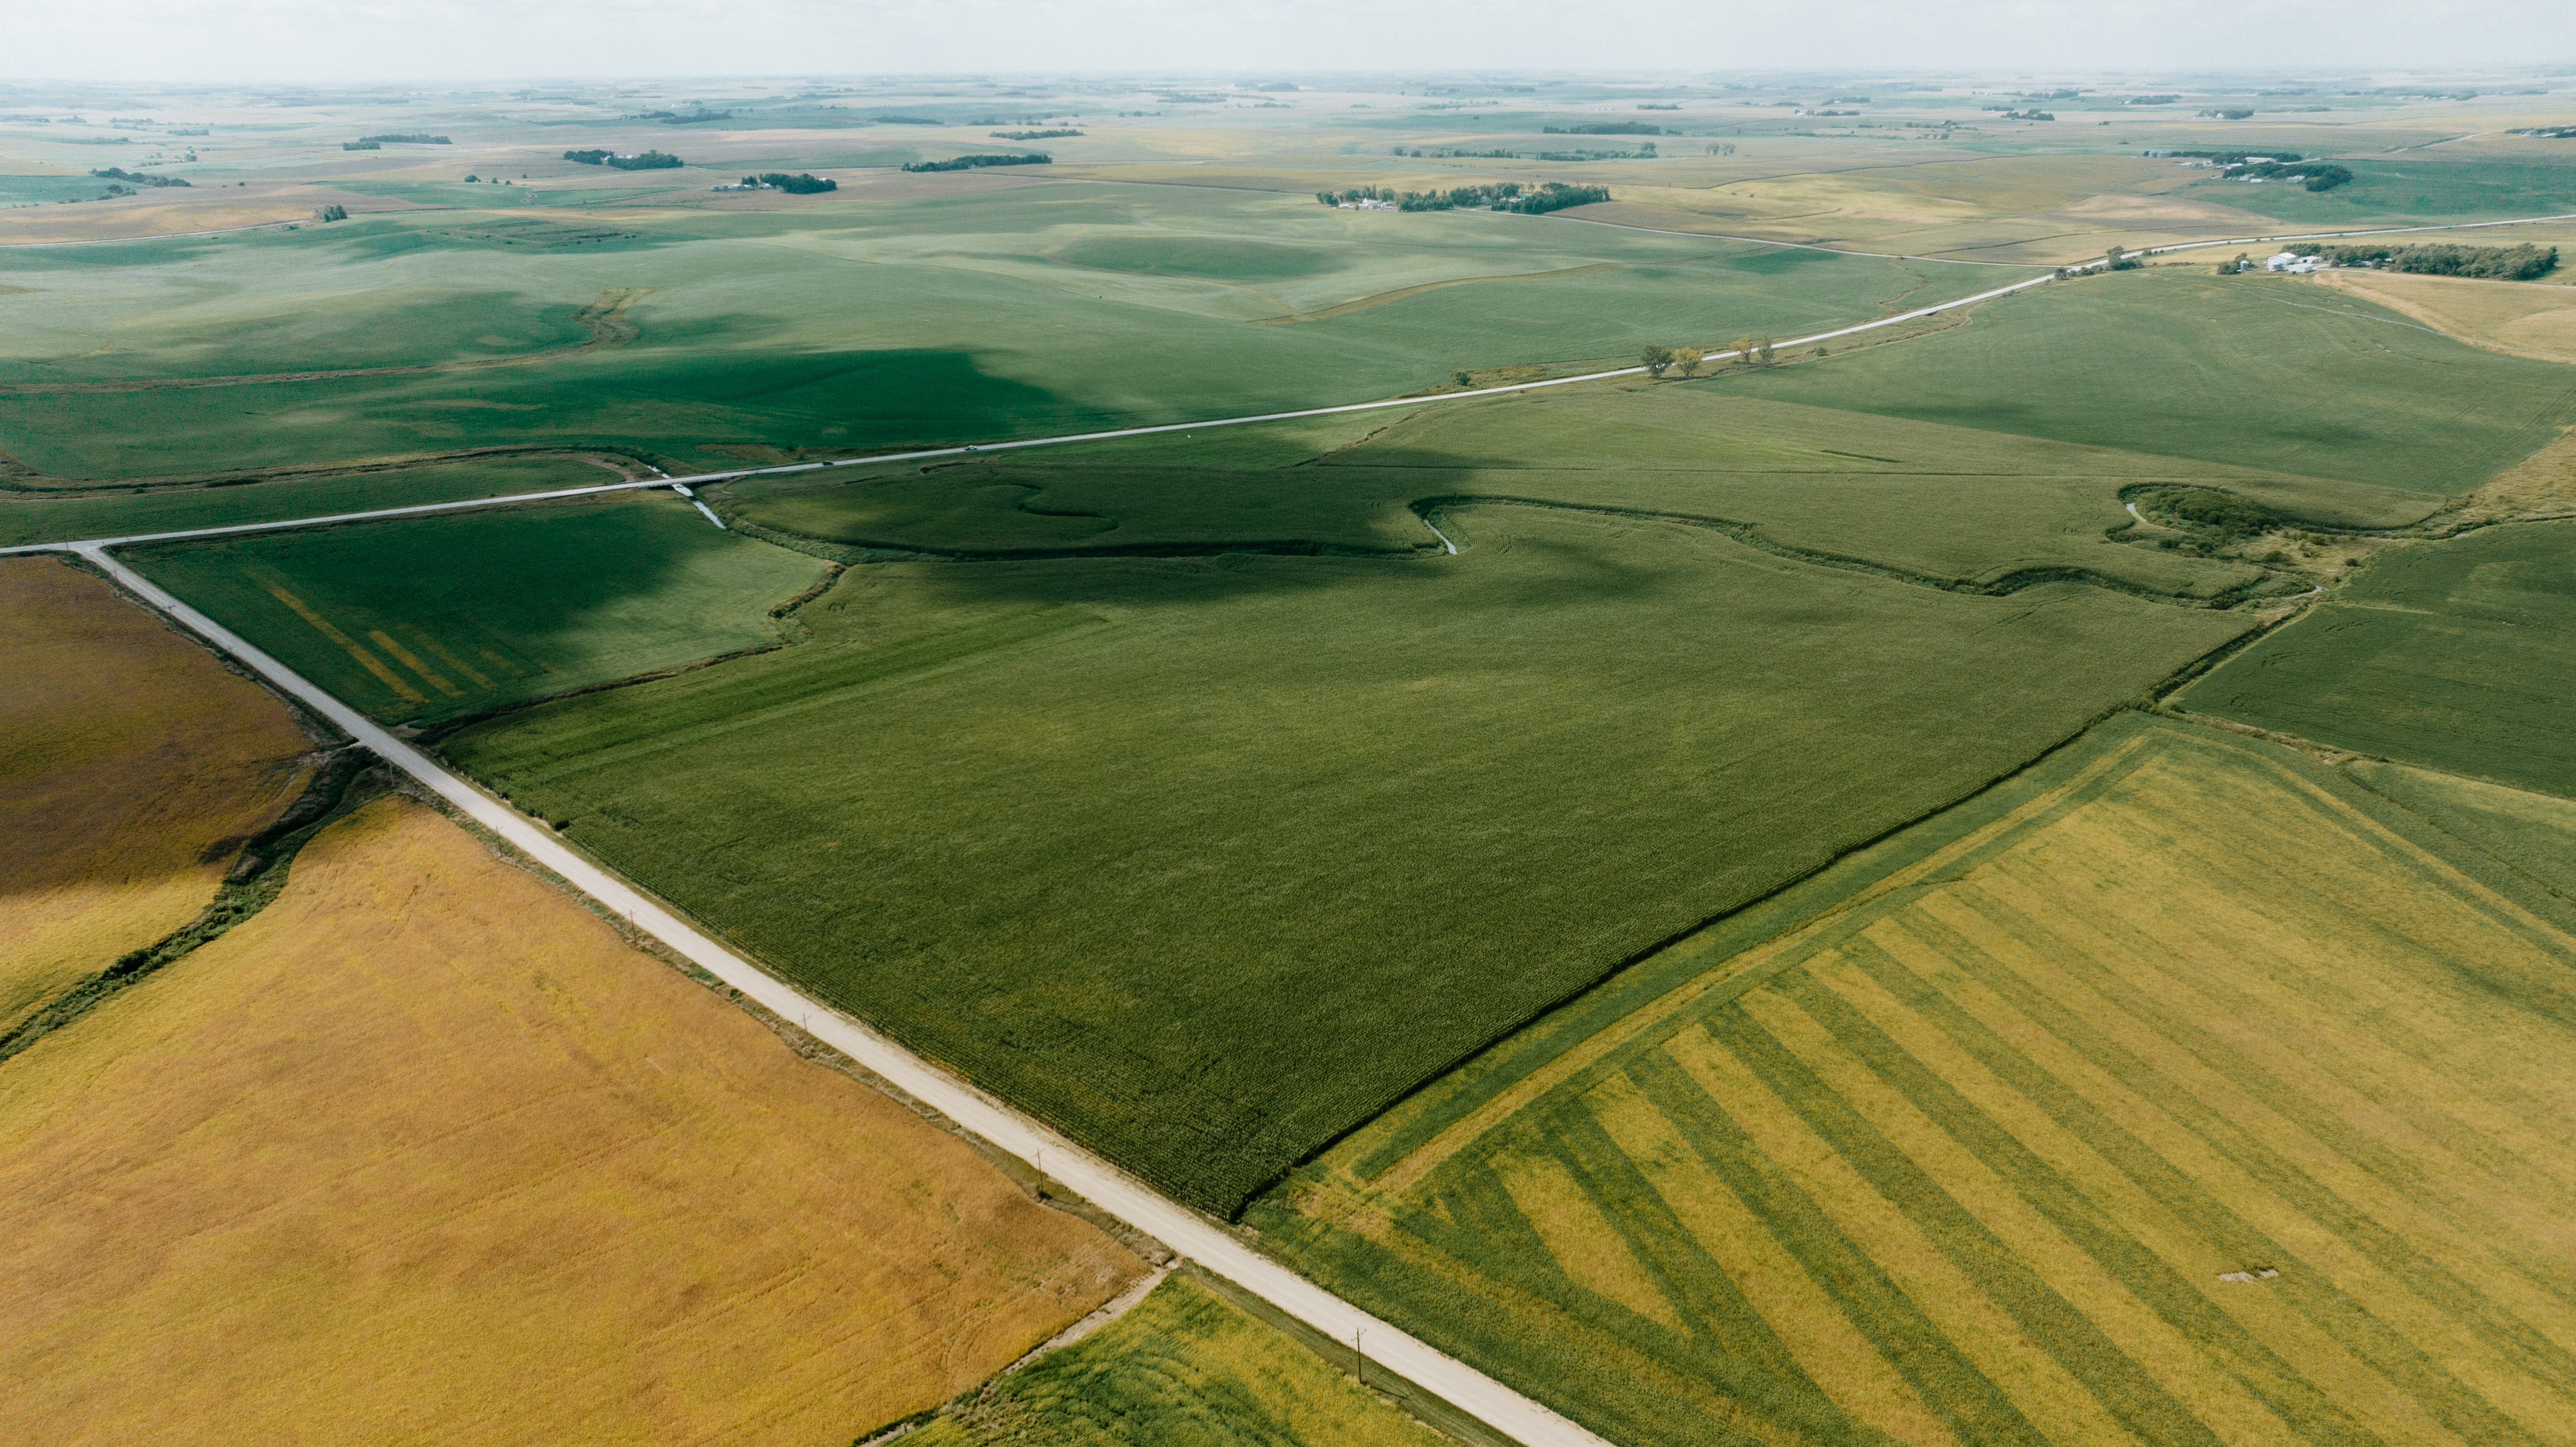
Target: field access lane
<point x="1104" y="1185"/>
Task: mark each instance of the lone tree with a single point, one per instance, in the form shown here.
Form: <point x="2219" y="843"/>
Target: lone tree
<point x="1659" y="359"/>
<point x="1689" y="360"/>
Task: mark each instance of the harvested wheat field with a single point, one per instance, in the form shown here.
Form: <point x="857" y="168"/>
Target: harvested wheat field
<point x="132" y="768"/>
<point x="2182" y="1091"/>
<point x="2527" y="318"/>
<point x="424" y="1153"/>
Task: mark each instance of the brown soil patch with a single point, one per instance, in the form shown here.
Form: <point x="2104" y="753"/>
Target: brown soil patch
<point x="424" y="1152"/>
<point x="132" y="766"/>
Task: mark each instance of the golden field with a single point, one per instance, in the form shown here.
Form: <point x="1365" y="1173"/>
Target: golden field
<point x="2526" y="318"/>
<point x="424" y="1153"/>
<point x="132" y="768"/>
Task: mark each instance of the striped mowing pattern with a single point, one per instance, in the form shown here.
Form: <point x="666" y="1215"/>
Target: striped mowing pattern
<point x="1968" y="1161"/>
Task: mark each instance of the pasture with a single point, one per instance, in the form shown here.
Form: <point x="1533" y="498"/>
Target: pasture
<point x="133" y="767"/>
<point x="2254" y="372"/>
<point x="2178" y="1090"/>
<point x="425" y="1104"/>
<point x="1207" y="859"/>
<point x="442" y="617"/>
<point x="1182" y="1368"/>
<point x="2454" y="655"/>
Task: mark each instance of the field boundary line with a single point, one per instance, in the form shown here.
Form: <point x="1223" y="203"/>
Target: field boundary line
<point x="702" y="478"/>
<point x="1094" y="1179"/>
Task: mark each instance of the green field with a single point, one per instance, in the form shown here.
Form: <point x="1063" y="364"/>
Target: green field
<point x="1961" y="506"/>
<point x="1182" y="1368"/>
<point x="962" y="313"/>
<point x="27" y="517"/>
<point x="2254" y="372"/>
<point x="2177" y="1091"/>
<point x="1206" y="860"/>
<point x="2428" y="188"/>
<point x="2457" y="655"/>
<point x="451" y="616"/>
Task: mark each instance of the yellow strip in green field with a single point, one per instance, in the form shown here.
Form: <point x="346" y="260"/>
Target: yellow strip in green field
<point x="1833" y="1351"/>
<point x="366" y="660"/>
<point x="411" y="660"/>
<point x="1990" y="1144"/>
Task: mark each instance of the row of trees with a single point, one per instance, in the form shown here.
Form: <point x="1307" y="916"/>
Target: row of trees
<point x="1604" y="128"/>
<point x="800" y="184"/>
<point x="410" y="138"/>
<point x="1645" y="152"/>
<point x="649" y="161"/>
<point x="1747" y="351"/>
<point x="2318" y="175"/>
<point x="118" y="173"/>
<point x="1503" y="196"/>
<point x="969" y="163"/>
<point x="1035" y="135"/>
<point x="2492" y="263"/>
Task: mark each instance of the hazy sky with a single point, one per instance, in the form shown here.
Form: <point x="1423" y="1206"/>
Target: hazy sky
<point x="323" y="40"/>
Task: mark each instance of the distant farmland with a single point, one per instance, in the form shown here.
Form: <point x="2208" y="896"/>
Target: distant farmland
<point x="2178" y="1092"/>
<point x="2458" y="655"/>
<point x="2191" y="365"/>
<point x="426" y="1112"/>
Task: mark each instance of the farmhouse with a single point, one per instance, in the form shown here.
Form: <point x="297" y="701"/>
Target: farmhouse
<point x="2291" y="261"/>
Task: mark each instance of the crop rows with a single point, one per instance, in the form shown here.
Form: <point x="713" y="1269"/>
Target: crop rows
<point x="2007" y="1158"/>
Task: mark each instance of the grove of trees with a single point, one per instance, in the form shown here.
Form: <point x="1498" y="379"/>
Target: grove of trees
<point x="1504" y="196"/>
<point x="968" y="163"/>
<point x="2526" y="262"/>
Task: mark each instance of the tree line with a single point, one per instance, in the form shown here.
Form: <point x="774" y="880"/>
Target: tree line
<point x="118" y="173"/>
<point x="1034" y="135"/>
<point x="2526" y="262"/>
<point x="649" y="161"/>
<point x="969" y="163"/>
<point x="410" y="138"/>
<point x="800" y="184"/>
<point x="2319" y="175"/>
<point x="1604" y="128"/>
<point x="1504" y="196"/>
